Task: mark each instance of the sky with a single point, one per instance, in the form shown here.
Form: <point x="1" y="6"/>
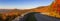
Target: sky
<point x="23" y="4"/>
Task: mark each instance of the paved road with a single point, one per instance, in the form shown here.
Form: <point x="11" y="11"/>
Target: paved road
<point x="41" y="17"/>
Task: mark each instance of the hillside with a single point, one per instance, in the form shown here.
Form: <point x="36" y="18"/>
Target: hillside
<point x="38" y="9"/>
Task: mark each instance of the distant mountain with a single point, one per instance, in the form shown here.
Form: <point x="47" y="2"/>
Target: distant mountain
<point x="38" y="9"/>
<point x="4" y="10"/>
